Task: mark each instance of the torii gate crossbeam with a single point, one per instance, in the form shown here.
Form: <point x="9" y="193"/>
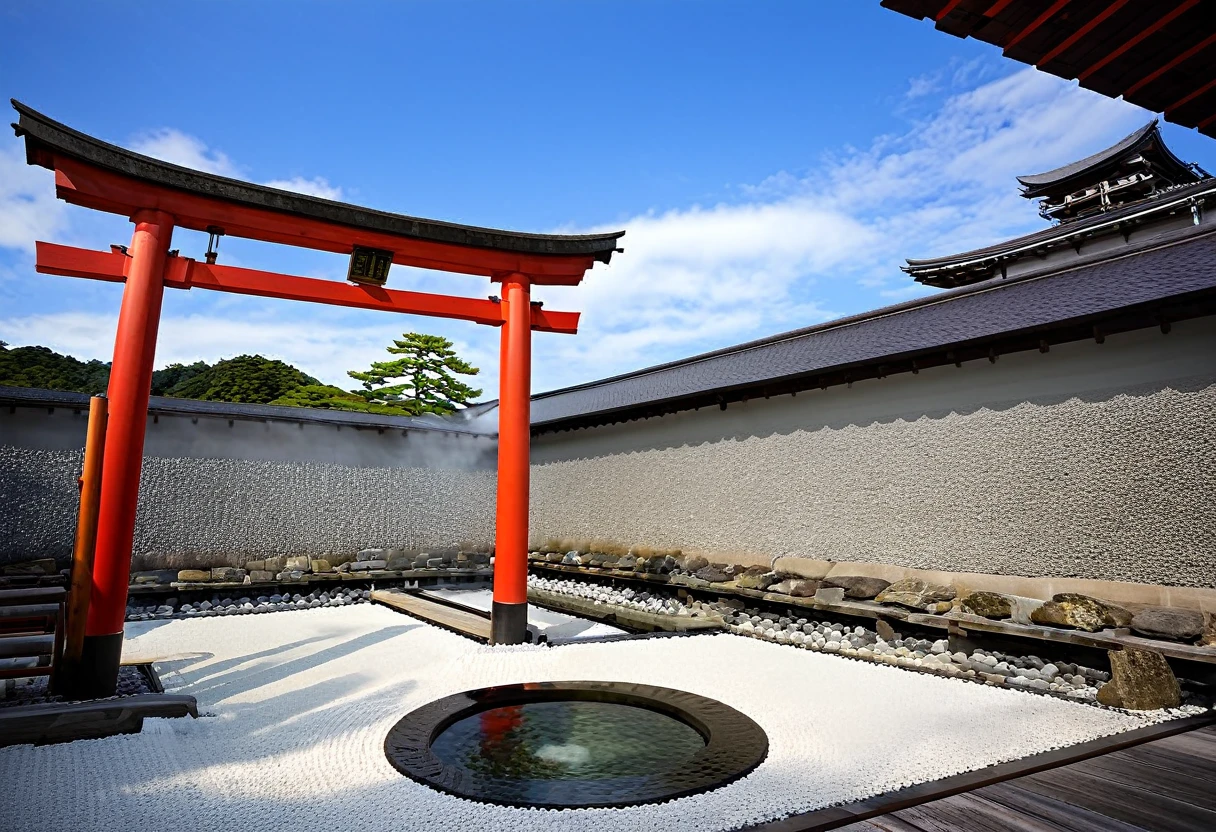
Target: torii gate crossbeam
<point x="159" y="197"/>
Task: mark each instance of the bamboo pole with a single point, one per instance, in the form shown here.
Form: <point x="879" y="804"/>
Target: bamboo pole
<point x="86" y="539"/>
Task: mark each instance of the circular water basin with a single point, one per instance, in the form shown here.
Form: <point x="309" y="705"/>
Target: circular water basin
<point x="575" y="744"/>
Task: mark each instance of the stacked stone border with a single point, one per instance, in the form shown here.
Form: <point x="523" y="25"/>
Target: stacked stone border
<point x="1068" y="618"/>
<point x="813" y="609"/>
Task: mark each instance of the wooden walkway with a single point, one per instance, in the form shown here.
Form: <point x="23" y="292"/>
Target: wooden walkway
<point x="451" y="617"/>
<point x="1168" y="785"/>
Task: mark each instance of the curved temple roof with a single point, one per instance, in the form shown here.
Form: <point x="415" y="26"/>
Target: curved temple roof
<point x="1145" y="140"/>
<point x="980" y="264"/>
<point x="45" y="138"/>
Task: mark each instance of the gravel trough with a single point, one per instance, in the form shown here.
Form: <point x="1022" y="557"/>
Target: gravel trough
<point x="296" y="707"/>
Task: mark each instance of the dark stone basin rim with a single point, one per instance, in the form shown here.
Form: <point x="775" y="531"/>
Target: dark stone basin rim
<point x="734" y="743"/>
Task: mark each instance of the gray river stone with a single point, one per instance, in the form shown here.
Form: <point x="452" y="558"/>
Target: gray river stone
<point x="694" y="562"/>
<point x="830" y="594"/>
<point x="714" y="573"/>
<point x="796" y="587"/>
<point x="1168" y="622"/>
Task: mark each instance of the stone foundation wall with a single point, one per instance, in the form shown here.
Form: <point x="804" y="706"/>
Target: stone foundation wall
<point x="1091" y="461"/>
<point x="218" y="492"/>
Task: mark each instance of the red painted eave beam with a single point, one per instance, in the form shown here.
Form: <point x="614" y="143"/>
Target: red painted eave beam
<point x="1134" y="85"/>
<point x="1152" y="28"/>
<point x="1031" y="27"/>
<point x="80" y="183"/>
<point x="1173" y="62"/>
<point x="1068" y="42"/>
<point x="185" y="273"/>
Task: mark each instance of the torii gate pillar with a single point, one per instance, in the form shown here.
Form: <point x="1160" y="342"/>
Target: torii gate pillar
<point x="509" y="616"/>
<point x="129" y="389"/>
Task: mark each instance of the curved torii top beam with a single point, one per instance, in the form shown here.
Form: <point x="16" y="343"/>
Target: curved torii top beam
<point x="102" y="176"/>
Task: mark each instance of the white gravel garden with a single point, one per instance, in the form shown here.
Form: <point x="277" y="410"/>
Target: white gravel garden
<point x="297" y="705"/>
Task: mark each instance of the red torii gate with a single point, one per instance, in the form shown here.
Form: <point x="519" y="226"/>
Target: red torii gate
<point x="158" y="196"/>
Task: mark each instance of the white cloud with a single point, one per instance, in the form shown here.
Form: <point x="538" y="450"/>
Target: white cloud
<point x="317" y="186"/>
<point x="189" y="151"/>
<point x="28" y="207"/>
<point x="701" y="278"/>
<point x="172" y="145"/>
<point x="922" y="85"/>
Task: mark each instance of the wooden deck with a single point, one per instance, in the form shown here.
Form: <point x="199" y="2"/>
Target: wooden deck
<point x="1168" y="785"/>
<point x="457" y="619"/>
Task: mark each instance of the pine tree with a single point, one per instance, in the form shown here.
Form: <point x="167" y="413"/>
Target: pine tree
<point x="427" y="369"/>
<point x="327" y="397"/>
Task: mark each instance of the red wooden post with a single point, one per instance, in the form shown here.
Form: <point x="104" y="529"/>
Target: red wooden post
<point x="509" y="616"/>
<point x="82" y="552"/>
<point x="130" y="386"/>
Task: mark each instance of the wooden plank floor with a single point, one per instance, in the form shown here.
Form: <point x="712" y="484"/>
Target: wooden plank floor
<point x="1164" y="786"/>
<point x="452" y="618"/>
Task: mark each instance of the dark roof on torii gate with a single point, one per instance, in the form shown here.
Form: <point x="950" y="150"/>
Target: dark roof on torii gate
<point x="46" y="138"/>
<point x="1157" y="54"/>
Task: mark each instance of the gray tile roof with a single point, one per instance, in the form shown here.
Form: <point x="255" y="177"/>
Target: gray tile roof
<point x="1127" y="143"/>
<point x="1107" y="223"/>
<point x="966" y="316"/>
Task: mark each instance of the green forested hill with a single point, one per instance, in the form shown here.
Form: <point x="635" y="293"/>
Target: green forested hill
<point x="44" y="368"/>
<point x="254" y="379"/>
<point x="246" y="378"/>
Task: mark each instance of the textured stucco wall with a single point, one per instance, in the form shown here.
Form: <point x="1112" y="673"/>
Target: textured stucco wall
<point x="214" y="492"/>
<point x="1093" y="461"/>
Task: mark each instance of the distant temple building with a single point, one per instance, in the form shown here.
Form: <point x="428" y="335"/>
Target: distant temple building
<point x="1135" y="185"/>
<point x="1137" y="168"/>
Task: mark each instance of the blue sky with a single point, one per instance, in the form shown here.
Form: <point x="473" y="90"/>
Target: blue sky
<point x="772" y="162"/>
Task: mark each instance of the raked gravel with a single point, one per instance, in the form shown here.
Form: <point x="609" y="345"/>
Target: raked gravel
<point x="297" y="704"/>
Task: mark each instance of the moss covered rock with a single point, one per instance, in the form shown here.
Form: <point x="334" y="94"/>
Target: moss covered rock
<point x="989" y="604"/>
<point x="1080" y="612"/>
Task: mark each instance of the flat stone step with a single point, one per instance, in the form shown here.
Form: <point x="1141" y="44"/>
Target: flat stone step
<point x="464" y="622"/>
<point x="640" y="620"/>
<point x="54" y="722"/>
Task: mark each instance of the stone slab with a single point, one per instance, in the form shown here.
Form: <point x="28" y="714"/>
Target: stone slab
<point x="55" y="722"/>
<point x="624" y="616"/>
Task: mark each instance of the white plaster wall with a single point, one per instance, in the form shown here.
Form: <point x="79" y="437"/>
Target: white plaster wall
<point x="218" y="493"/>
<point x="1091" y="461"/>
